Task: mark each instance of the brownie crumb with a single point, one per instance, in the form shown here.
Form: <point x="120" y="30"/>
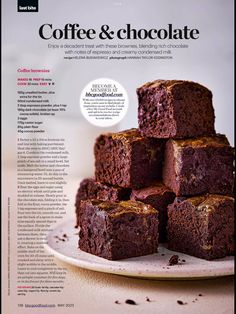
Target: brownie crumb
<point x="174" y="260"/>
<point x="183" y="260"/>
<point x="200" y="295"/>
<point x="147" y="299"/>
<point x="117" y="302"/>
<point x="162" y="254"/>
<point x="65" y="235"/>
<point x="60" y="239"/>
<point x="129" y="301"/>
<point x="181" y="302"/>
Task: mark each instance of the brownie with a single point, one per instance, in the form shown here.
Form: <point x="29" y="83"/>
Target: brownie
<point x="118" y="230"/>
<point x="128" y="159"/>
<point x="198" y="166"/>
<point x="175" y="109"/>
<point x="202" y="226"/>
<point x="91" y="189"/>
<point x="159" y="197"/>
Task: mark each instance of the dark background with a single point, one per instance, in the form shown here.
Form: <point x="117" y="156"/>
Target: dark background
<point x="24" y="3"/>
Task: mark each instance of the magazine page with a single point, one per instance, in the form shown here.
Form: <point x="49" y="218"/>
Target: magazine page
<point x="117" y="156"/>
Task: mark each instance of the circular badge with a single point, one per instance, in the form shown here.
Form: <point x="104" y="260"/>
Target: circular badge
<point x="104" y="102"/>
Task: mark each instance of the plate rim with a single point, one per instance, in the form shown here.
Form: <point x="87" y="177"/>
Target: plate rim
<point x="99" y="267"/>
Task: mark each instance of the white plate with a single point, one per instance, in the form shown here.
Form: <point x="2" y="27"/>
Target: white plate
<point x="152" y="266"/>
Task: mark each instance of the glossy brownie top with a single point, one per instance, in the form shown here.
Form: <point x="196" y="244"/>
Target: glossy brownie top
<point x="114" y="209"/>
<point x="207" y="202"/>
<point x="156" y="189"/>
<point x="170" y="84"/>
<point x="217" y="141"/>
<point x="126" y="135"/>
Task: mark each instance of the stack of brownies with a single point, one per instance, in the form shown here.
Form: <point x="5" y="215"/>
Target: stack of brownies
<point x="170" y="181"/>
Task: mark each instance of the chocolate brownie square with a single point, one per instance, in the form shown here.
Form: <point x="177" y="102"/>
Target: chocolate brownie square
<point x="175" y="109"/>
<point x="202" y="226"/>
<point x="118" y="230"/>
<point x="127" y="159"/>
<point x="198" y="166"/>
<point x="159" y="197"/>
<point x="91" y="189"/>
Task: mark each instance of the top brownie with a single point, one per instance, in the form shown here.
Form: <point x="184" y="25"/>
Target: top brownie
<point x="175" y="109"/>
<point x="128" y="159"/>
